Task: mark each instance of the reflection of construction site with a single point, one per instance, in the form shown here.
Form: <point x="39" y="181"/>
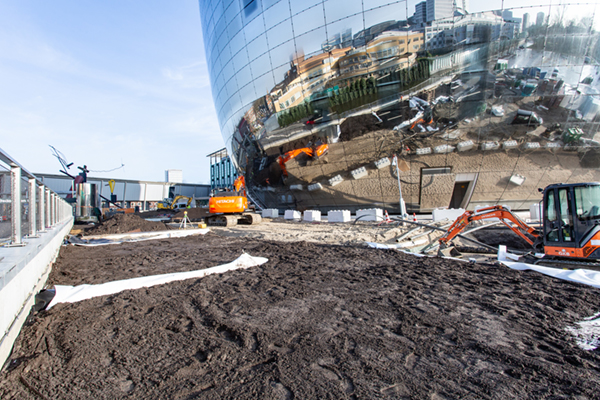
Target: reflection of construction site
<point x="459" y="146"/>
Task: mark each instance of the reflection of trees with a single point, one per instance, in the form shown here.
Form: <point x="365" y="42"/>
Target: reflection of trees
<point x="295" y="114"/>
<point x="357" y="93"/>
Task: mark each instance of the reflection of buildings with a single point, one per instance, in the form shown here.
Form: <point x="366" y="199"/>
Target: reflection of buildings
<point x="540" y="19"/>
<point x="525" y="21"/>
<point x="469" y="29"/>
<point x="306" y="77"/>
<point x="273" y="67"/>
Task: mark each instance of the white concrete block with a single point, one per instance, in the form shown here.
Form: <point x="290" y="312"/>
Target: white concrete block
<point x="535" y="212"/>
<point x="517" y="179"/>
<point x="270" y="213"/>
<point x="371" y="214"/>
<point x="336" y="180"/>
<point x="490" y="146"/>
<point x="359" y="173"/>
<point x="553" y="145"/>
<point x="443" y="149"/>
<point x="312" y="215"/>
<point x="510" y="144"/>
<point x="531" y="145"/>
<point x="339" y="216"/>
<point x="465" y="146"/>
<point x="384" y="162"/>
<point x="440" y="214"/>
<point x="423" y="151"/>
<point x="295" y="187"/>
<point x="292" y="214"/>
<point x="315" y="186"/>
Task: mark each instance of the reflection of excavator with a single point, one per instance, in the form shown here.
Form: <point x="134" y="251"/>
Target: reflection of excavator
<point x="178" y="203"/>
<point x="229" y="208"/>
<point x="570" y="232"/>
<point x="314" y="153"/>
<point x="426" y="118"/>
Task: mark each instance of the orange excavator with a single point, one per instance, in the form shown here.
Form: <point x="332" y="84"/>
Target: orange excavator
<point x="570" y="231"/>
<point x="231" y="208"/>
<point x="314" y="153"/>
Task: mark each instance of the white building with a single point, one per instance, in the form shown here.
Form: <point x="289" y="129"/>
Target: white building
<point x="467" y="29"/>
<point x="174" y="176"/>
<point x="438" y="9"/>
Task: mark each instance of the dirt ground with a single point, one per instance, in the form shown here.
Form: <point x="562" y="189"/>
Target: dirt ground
<point x="318" y="321"/>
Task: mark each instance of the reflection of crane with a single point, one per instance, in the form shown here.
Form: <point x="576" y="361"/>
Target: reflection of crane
<point x="314" y="152"/>
<point x="229" y="208"/>
<point x="570" y="231"/>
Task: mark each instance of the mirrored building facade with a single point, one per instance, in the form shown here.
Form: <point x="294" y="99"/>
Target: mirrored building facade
<point x="339" y="104"/>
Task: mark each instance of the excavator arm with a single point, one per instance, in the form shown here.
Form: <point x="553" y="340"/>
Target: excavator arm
<point x="317" y="152"/>
<point x="504" y="214"/>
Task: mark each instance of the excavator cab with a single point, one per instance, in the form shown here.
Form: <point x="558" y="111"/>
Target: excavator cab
<point x="571" y="220"/>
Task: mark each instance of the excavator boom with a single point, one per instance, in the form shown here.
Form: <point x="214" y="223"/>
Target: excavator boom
<point x="500" y="212"/>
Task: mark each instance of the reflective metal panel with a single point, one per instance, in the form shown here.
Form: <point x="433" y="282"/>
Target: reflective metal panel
<point x="481" y="102"/>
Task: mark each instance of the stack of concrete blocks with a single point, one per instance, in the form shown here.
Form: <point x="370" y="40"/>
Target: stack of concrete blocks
<point x="359" y="173"/>
<point x="553" y="145"/>
<point x="292" y="214"/>
<point x="510" y="144"/>
<point x="315" y="186"/>
<point x="270" y="213"/>
<point x="490" y="146"/>
<point x="370" y="214"/>
<point x="384" y="162"/>
<point x="312" y="215"/>
<point x="336" y="180"/>
<point x="295" y="187"/>
<point x="423" y="151"/>
<point x="339" y="216"/>
<point x="531" y="145"/>
<point x="443" y="149"/>
<point x="465" y="146"/>
<point x="440" y="214"/>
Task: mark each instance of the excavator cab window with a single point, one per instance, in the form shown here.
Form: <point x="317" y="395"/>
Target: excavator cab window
<point x="587" y="202"/>
<point x="566" y="215"/>
<point x="551" y="225"/>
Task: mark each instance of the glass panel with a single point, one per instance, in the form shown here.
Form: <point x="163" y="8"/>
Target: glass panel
<point x="311" y="43"/>
<point x="244" y="77"/>
<point x="277" y="14"/>
<point x="234" y="26"/>
<point x="340" y="9"/>
<point x="258" y="47"/>
<point x="371" y="4"/>
<point x="587" y="202"/>
<point x="298" y="6"/>
<point x="280" y="34"/>
<point x="25" y="204"/>
<point x="283" y="54"/>
<point x="240" y="59"/>
<point x="308" y="20"/>
<point x="565" y="215"/>
<point x="387" y="14"/>
<point x="237" y="43"/>
<point x="254" y="28"/>
<point x="5" y="203"/>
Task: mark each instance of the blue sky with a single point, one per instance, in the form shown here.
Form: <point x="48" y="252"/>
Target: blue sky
<point x="106" y="82"/>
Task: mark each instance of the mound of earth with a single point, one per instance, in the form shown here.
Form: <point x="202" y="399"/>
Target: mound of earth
<point x="358" y="126"/>
<point x="315" y="322"/>
<point x="124" y="223"/>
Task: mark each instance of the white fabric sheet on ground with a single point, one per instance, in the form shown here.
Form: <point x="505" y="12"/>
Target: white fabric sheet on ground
<point x="103" y="240"/>
<point x="72" y="294"/>
<point x="587" y="332"/>
<point x="585" y="276"/>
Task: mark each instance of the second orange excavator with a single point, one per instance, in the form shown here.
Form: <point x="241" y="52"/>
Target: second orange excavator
<point x="313" y="152"/>
<point x="231" y="208"/>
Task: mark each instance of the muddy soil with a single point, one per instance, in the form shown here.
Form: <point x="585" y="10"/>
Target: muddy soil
<point x="125" y="223"/>
<point x="316" y="322"/>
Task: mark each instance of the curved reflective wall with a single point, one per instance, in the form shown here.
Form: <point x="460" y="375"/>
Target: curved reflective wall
<point x="340" y="104"/>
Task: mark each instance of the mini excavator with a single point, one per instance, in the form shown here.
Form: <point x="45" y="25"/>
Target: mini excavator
<point x="314" y="153"/>
<point x="231" y="208"/>
<point x="570" y="231"/>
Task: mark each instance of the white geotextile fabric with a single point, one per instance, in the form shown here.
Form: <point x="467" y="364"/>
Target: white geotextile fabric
<point x="138" y="237"/>
<point x="72" y="294"/>
<point x="587" y="332"/>
<point x="585" y="276"/>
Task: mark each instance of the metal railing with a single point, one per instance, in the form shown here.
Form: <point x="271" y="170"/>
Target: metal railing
<point x="27" y="206"/>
